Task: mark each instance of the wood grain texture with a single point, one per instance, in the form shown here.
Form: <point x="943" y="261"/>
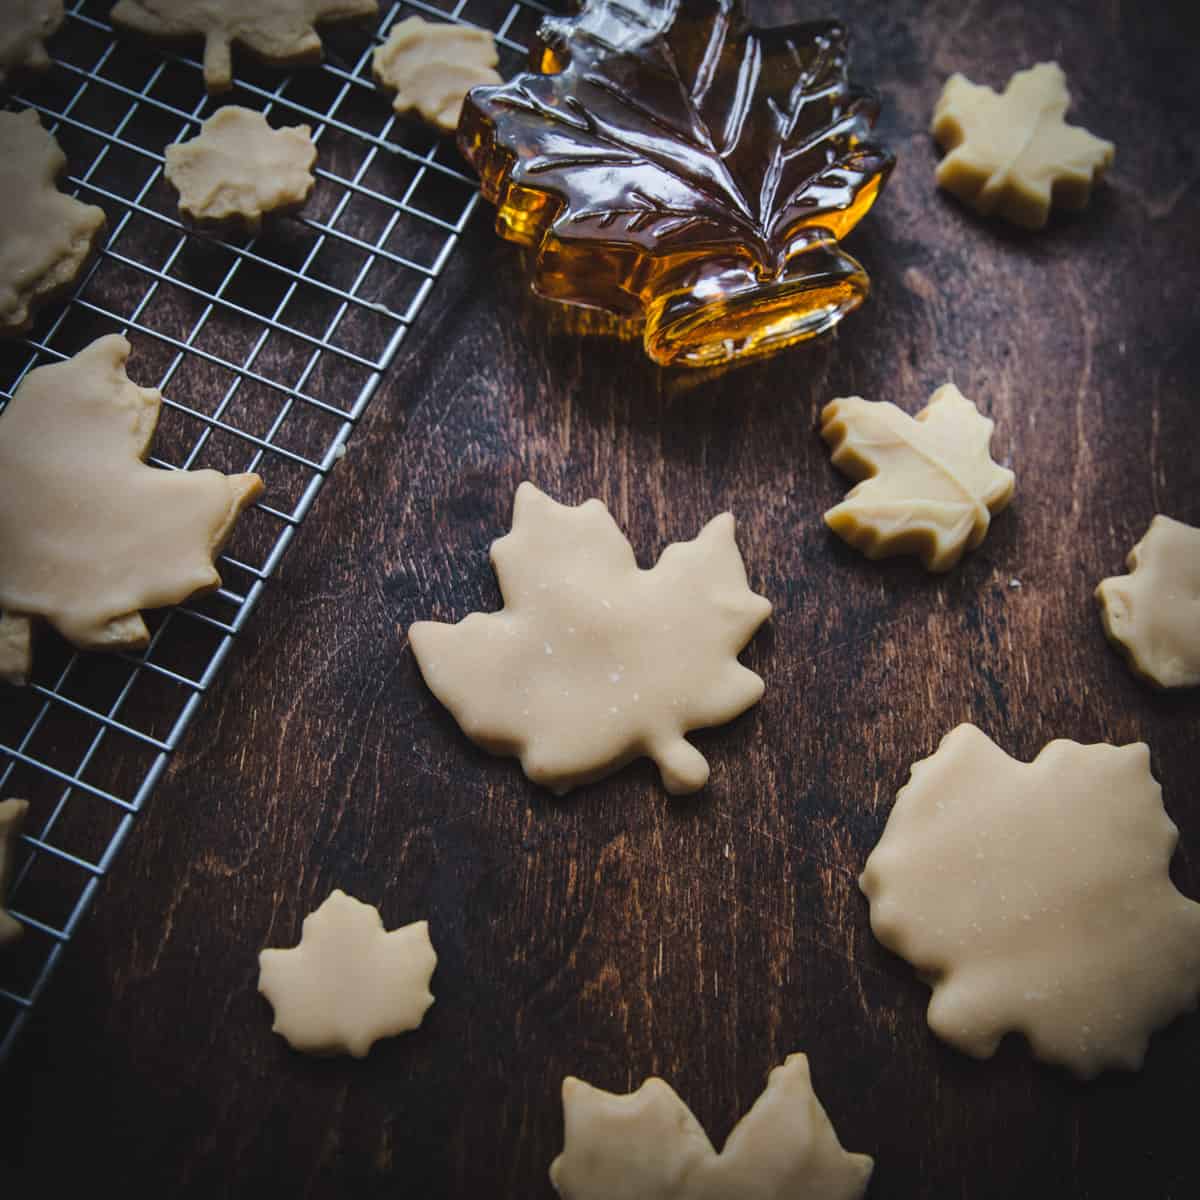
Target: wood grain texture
<point x="616" y="933"/>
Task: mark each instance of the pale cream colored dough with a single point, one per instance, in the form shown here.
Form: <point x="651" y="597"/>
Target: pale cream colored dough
<point x="16" y="650"/>
<point x="90" y="535"/>
<point x="593" y="661"/>
<point x="24" y="27"/>
<point x="929" y="486"/>
<point x="1035" y="898"/>
<point x="12" y="817"/>
<point x="238" y="168"/>
<point x="649" y="1146"/>
<point x="433" y="65"/>
<point x="349" y="982"/>
<point x="1012" y="155"/>
<point x="282" y="32"/>
<point x="1153" y="614"/>
<point x="46" y="238"/>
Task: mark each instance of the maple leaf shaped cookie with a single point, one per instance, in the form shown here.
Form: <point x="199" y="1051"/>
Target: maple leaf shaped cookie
<point x="24" y="28"/>
<point x="1035" y="897"/>
<point x="649" y="1146"/>
<point x="432" y="66"/>
<point x="90" y="535"/>
<point x="593" y="661"/>
<point x="1013" y="155"/>
<point x="283" y="32"/>
<point x="349" y="982"/>
<point x="1153" y="614"/>
<point x="12" y="816"/>
<point x="238" y="168"/>
<point x="929" y="486"/>
<point x="46" y="238"/>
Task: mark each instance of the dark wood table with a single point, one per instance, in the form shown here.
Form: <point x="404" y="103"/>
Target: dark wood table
<point x="618" y="933"/>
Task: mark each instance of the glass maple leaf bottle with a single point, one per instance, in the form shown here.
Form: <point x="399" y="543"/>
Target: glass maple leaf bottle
<point x="679" y="166"/>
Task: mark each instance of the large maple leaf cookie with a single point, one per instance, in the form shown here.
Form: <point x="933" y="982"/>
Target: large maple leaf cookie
<point x="648" y="1146"/>
<point x="282" y="32"/>
<point x="1153" y="613"/>
<point x="593" y="661"/>
<point x="46" y="237"/>
<point x="89" y="534"/>
<point x="929" y="486"/>
<point x="1035" y="898"/>
<point x="349" y="982"/>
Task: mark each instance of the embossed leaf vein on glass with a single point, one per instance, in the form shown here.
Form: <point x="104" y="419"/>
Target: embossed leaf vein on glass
<point x="677" y="167"/>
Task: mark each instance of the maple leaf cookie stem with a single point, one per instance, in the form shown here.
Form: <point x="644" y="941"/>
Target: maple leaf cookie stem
<point x="683" y="768"/>
<point x="218" y="62"/>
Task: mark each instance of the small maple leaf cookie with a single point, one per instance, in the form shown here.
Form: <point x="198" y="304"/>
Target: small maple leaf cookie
<point x="648" y="1146"/>
<point x="238" y="168"/>
<point x="46" y="238"/>
<point x="1035" y="898"/>
<point x="929" y="486"/>
<point x="12" y="816"/>
<point x="1153" y="614"/>
<point x="432" y="66"/>
<point x="593" y="661"/>
<point x="25" y="26"/>
<point x="90" y="535"/>
<point x="282" y="32"/>
<point x="349" y="982"/>
<point x="1013" y="155"/>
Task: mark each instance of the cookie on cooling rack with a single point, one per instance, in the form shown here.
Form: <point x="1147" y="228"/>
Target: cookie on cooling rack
<point x="282" y="32"/>
<point x="239" y="169"/>
<point x="431" y="66"/>
<point x="89" y="534"/>
<point x="23" y="33"/>
<point x="46" y="237"/>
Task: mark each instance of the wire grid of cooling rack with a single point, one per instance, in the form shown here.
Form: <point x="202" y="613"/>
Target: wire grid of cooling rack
<point x="267" y="350"/>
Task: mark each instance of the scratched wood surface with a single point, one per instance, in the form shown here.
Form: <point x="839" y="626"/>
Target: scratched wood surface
<point x="617" y="933"/>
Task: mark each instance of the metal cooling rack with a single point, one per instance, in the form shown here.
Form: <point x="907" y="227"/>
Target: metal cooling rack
<point x="267" y="352"/>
